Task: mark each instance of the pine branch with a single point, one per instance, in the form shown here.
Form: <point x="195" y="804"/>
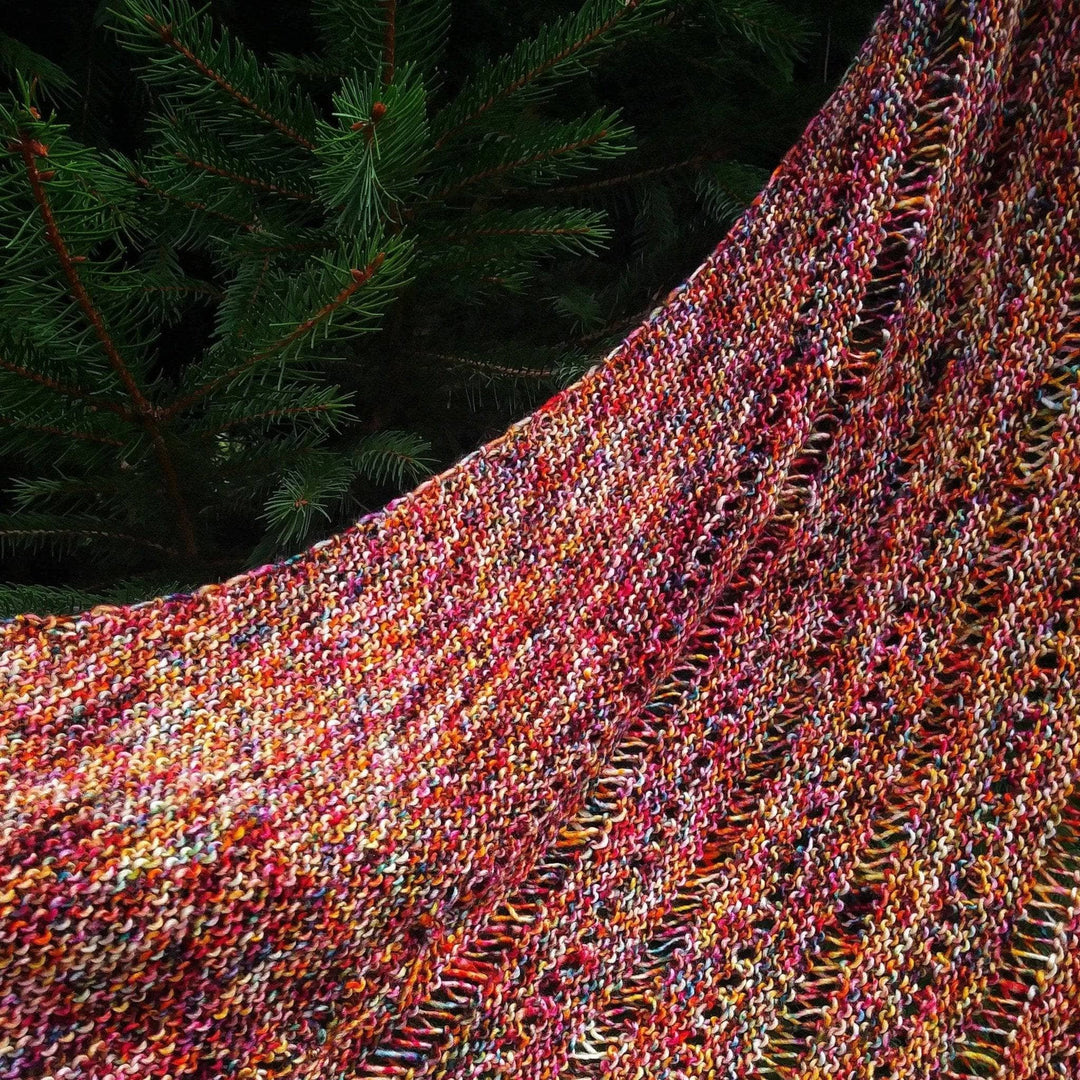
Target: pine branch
<point x="359" y="279"/>
<point x="469" y="234"/>
<point x="67" y="433"/>
<point x="15" y="599"/>
<point x="304" y="491"/>
<point x="371" y="157"/>
<point x="581" y="307"/>
<point x="314" y="245"/>
<point x="694" y="162"/>
<point x="558" y="48"/>
<point x="17" y="59"/>
<point x="33" y="528"/>
<point x="239" y="178"/>
<point x="63" y="388"/>
<point x="277" y="414"/>
<point x="500" y="242"/>
<point x="728" y="188"/>
<point x="596" y="135"/>
<point x="167" y="34"/>
<point x="573" y="364"/>
<point x="201" y="207"/>
<point x="187" y="290"/>
<point x="310" y="67"/>
<point x="309" y="409"/>
<point x="374" y="37"/>
<point x="30" y="150"/>
<point x="392" y="456"/>
<point x="513" y="165"/>
<point x="514" y="375"/>
<point x="25" y="492"/>
<point x="487" y="367"/>
<point x="778" y="33"/>
<point x="244" y="323"/>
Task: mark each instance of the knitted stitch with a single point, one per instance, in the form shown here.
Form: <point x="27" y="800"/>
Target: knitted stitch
<point x="719" y="720"/>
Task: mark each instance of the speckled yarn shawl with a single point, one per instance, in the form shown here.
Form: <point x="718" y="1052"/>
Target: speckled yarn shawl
<point x="719" y="720"/>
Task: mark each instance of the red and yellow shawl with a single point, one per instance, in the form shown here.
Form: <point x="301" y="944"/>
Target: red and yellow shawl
<point x="721" y="719"/>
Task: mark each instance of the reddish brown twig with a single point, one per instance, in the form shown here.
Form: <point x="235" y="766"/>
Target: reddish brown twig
<point x="31" y="150"/>
<point x="390" y="11"/>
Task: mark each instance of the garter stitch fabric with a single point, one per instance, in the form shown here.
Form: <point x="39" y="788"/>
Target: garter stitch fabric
<point x="719" y="720"/>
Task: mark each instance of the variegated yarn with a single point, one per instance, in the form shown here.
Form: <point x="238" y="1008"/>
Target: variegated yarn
<point x="719" y="720"/>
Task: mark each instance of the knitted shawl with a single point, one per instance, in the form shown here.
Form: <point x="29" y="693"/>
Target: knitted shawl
<point x="721" y="719"/>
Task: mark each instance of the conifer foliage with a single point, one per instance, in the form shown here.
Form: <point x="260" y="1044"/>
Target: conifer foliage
<point x="300" y="203"/>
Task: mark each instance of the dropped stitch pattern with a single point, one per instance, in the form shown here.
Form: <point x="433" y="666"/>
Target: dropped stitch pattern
<point x="719" y="720"/>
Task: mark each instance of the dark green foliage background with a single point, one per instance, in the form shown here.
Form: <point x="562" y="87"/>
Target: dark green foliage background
<point x="713" y="108"/>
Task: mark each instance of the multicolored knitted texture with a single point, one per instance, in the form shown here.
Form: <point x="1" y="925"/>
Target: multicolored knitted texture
<point x="719" y="720"/>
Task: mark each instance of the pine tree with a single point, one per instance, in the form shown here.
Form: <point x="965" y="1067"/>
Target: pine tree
<point x="295" y="205"/>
